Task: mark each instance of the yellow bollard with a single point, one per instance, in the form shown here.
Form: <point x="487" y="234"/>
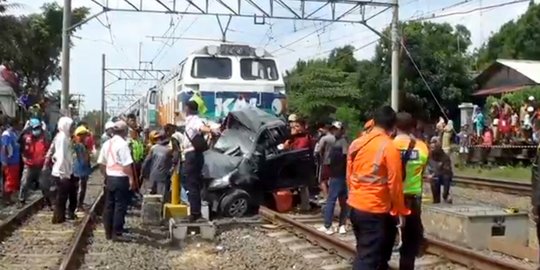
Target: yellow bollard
<point x="175" y="209"/>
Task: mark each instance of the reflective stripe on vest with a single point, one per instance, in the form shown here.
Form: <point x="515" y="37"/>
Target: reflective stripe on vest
<point x="115" y="167"/>
<point x="374" y="176"/>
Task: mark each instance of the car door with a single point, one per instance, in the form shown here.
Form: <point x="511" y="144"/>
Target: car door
<point x="288" y="169"/>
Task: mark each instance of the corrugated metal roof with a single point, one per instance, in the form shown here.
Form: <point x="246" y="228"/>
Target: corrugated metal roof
<point x="529" y="68"/>
<point x="498" y="90"/>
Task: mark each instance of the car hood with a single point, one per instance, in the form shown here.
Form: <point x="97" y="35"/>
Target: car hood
<point x="217" y="165"/>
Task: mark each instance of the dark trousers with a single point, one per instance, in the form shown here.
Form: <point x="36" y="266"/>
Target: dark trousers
<point x="66" y="193"/>
<point x="412" y="233"/>
<point x="117" y="197"/>
<point x="537" y="211"/>
<point x="193" y="171"/>
<point x="83" y="183"/>
<point x="436" y="183"/>
<point x="375" y="235"/>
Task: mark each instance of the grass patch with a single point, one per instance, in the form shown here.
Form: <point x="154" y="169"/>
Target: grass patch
<point x="519" y="174"/>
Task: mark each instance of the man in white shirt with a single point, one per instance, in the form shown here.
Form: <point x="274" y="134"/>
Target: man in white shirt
<point x="194" y="159"/>
<point x="115" y="163"/>
<point x="62" y="170"/>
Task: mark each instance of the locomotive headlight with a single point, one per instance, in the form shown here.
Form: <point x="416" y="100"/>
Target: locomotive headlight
<point x="259" y="52"/>
<point x="212" y="50"/>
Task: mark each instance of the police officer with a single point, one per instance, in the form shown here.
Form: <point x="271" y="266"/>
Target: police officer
<point x="414" y="158"/>
<point x="194" y="145"/>
<point x="116" y="163"/>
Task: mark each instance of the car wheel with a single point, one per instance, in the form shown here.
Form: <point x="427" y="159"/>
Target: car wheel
<point x="235" y="204"/>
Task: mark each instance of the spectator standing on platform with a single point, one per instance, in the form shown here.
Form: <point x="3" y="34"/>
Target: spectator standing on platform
<point x="374" y="178"/>
<point x="81" y="164"/>
<point x="11" y="157"/>
<point x="62" y="171"/>
<point x="414" y="157"/>
<point x="35" y="147"/>
<point x="337" y="185"/>
<point x="479" y="122"/>
<point x="116" y="164"/>
<point x="448" y="131"/>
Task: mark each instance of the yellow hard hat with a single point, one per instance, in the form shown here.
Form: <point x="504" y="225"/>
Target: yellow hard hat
<point x="81" y="130"/>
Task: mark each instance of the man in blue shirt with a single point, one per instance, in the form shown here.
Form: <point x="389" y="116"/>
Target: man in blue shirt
<point x="10" y="156"/>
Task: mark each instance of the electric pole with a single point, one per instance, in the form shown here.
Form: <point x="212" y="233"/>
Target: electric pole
<point x="102" y="116"/>
<point x="395" y="57"/>
<point x="64" y="103"/>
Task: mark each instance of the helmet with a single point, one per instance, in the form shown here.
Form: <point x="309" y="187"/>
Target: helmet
<point x="109" y="125"/>
<point x="81" y="130"/>
<point x="34" y="123"/>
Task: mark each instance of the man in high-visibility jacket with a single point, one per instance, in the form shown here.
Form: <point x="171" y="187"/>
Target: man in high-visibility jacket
<point x="374" y="178"/>
<point x="414" y="157"/>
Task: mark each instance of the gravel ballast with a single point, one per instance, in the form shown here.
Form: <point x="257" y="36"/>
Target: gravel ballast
<point x="241" y="248"/>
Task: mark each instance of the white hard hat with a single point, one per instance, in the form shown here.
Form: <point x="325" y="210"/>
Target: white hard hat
<point x="530" y="109"/>
<point x="109" y="125"/>
<point x="531" y="98"/>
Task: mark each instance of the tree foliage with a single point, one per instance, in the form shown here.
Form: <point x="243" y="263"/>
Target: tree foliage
<point x="341" y="85"/>
<point x="519" y="39"/>
<point x="93" y="118"/>
<point x="34" y="43"/>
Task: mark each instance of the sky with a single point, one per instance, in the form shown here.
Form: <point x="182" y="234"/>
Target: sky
<point x="289" y="40"/>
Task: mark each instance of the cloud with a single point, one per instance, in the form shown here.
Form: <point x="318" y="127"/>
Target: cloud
<point x="289" y="40"/>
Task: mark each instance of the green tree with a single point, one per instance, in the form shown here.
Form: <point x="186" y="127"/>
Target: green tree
<point x="519" y="39"/>
<point x="93" y="118"/>
<point x="5" y="6"/>
<point x="34" y="43"/>
<point x="439" y="51"/>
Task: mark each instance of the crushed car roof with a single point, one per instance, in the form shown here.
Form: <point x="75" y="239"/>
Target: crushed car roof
<point x="253" y="118"/>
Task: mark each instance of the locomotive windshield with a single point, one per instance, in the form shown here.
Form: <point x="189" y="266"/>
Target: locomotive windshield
<point x="258" y="69"/>
<point x="211" y="67"/>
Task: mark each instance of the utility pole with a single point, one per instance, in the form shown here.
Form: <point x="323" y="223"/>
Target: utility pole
<point x="102" y="124"/>
<point x="395" y="57"/>
<point x="64" y="103"/>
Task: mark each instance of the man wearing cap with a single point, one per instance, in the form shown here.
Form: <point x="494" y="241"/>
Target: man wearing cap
<point x="116" y="163"/>
<point x="194" y="146"/>
<point x="108" y="132"/>
<point x="157" y="167"/>
<point x="33" y="155"/>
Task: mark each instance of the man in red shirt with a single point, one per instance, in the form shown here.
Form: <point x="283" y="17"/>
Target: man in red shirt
<point x="300" y="139"/>
<point x="33" y="154"/>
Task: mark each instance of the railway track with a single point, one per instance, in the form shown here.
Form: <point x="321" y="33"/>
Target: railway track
<point x="30" y="241"/>
<point x="498" y="185"/>
<point x="300" y="233"/>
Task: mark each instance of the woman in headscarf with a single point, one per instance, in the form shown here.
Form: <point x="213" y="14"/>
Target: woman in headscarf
<point x="62" y="171"/>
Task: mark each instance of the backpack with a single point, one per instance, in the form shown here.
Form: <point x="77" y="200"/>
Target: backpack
<point x="338" y="160"/>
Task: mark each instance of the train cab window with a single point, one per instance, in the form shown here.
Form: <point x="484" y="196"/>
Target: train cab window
<point x="211" y="67"/>
<point x="258" y="69"/>
<point x="152" y="97"/>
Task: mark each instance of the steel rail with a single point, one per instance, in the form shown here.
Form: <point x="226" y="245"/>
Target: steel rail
<point x="451" y="252"/>
<point x="504" y="186"/>
<point x="71" y="259"/>
<point x="7" y="225"/>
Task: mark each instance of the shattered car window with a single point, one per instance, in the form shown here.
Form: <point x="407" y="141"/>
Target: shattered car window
<point x="235" y="142"/>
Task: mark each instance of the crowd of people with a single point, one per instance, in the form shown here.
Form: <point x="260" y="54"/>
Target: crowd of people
<point x="377" y="179"/>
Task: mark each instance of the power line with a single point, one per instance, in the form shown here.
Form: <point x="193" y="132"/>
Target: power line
<point x="469" y="11"/>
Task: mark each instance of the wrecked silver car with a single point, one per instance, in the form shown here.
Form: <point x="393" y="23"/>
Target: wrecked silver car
<point x="245" y="164"/>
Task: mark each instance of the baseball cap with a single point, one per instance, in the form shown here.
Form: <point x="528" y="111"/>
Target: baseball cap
<point x="109" y="125"/>
<point x="293" y="118"/>
<point x="34" y="123"/>
<point x="337" y="124"/>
